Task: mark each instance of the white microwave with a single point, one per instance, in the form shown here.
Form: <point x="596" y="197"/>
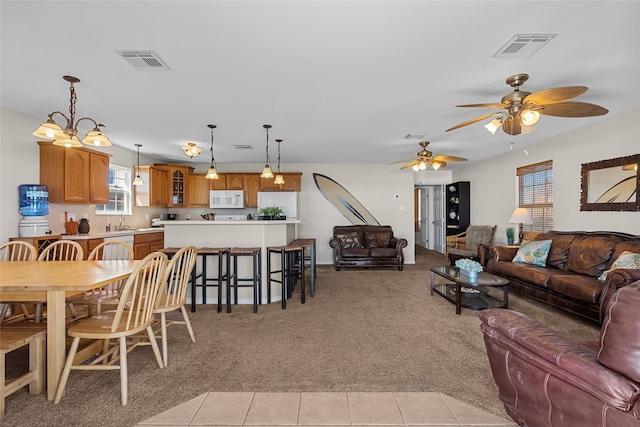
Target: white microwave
<point x="226" y="199"/>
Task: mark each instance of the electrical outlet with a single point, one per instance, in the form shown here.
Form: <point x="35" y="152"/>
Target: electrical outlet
<point x="61" y="217"/>
<point x="72" y="217"/>
<point x="146" y="217"/>
<point x="85" y="215"/>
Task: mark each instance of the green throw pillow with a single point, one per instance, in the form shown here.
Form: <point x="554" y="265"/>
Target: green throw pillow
<point x="349" y="240"/>
<point x="534" y="252"/>
<point x="626" y="260"/>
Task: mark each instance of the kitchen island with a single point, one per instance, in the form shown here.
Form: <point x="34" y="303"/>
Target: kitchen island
<point x="231" y="234"/>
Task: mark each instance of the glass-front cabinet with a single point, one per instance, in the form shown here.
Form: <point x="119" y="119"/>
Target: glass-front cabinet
<point x="177" y="184"/>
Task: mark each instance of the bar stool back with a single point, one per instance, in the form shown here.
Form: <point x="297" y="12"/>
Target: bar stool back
<point x="235" y="281"/>
<point x="309" y="248"/>
<point x="291" y="268"/>
<point x="206" y="279"/>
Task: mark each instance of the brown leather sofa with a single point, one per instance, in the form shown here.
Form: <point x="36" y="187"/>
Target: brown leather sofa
<point x="569" y="280"/>
<point x="545" y="379"/>
<point x="366" y="246"/>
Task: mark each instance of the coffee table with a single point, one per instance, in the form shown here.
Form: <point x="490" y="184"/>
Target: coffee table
<point x="470" y="292"/>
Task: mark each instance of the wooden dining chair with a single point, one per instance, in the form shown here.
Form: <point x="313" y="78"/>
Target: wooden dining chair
<point x="61" y="250"/>
<point x="108" y="250"/>
<point x="16" y="250"/>
<point x="173" y="293"/>
<point x="134" y="314"/>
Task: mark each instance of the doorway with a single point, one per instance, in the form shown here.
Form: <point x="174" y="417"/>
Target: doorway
<point x="429" y="217"/>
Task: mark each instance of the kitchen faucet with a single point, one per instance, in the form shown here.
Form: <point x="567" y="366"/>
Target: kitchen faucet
<point x="122" y="227"/>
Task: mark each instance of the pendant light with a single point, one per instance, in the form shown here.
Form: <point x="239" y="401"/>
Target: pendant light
<point x="67" y="137"/>
<point x="212" y="173"/>
<point x="266" y="172"/>
<point x="138" y="180"/>
<point x="279" y="178"/>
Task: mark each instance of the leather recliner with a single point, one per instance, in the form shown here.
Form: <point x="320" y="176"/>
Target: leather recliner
<point x="545" y="379"/>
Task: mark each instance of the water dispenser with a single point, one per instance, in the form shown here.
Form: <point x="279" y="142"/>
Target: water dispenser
<point x="34" y="205"/>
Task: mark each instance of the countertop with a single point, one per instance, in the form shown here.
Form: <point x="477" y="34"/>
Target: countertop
<point x="106" y="234"/>
<point x="247" y="222"/>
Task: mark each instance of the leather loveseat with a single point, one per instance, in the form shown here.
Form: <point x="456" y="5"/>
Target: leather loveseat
<point x="366" y="246"/>
<point x="545" y="379"/>
<point x="569" y="280"/>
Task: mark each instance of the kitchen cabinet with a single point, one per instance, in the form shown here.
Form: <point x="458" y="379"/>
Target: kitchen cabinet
<point x="198" y="194"/>
<point x="40" y="242"/>
<point x="178" y="185"/>
<point x="251" y="188"/>
<point x="235" y="181"/>
<point x="292" y="182"/>
<point x="458" y="207"/>
<point x="144" y="244"/>
<point x="155" y="190"/>
<point x="88" y="245"/>
<point x="218" y="184"/>
<point x="74" y="175"/>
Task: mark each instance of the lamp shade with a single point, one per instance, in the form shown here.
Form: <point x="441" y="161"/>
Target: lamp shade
<point x="96" y="138"/>
<point x="521" y="216"/>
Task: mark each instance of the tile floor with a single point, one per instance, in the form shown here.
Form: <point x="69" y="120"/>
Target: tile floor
<point x="322" y="409"/>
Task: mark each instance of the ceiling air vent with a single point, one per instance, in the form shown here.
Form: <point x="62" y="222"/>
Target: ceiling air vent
<point x="523" y="46"/>
<point x="415" y="136"/>
<point x="243" y="147"/>
<point x="144" y="60"/>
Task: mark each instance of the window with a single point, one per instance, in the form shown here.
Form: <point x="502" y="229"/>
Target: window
<point x="535" y="193"/>
<point x="120" y="194"/>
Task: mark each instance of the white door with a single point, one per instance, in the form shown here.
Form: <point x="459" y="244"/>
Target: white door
<point x="437" y="221"/>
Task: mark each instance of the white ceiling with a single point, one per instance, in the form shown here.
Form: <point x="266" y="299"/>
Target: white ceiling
<point x="338" y="81"/>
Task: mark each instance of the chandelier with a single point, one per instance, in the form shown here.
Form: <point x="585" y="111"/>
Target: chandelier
<point x="212" y="173"/>
<point x="67" y="137"/>
<point x="191" y="149"/>
<point x="266" y="172"/>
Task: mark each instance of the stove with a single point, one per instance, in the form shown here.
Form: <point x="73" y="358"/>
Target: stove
<point x="230" y="218"/>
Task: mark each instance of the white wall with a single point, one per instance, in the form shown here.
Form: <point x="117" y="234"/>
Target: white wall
<point x="493" y="182"/>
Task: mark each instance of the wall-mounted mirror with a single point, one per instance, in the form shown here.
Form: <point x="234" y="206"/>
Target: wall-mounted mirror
<point x="611" y="185"/>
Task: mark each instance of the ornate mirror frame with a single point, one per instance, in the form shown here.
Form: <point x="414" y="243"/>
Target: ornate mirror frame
<point x="611" y="185"/>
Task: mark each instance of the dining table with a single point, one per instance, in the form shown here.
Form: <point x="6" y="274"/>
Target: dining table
<point x="53" y="281"/>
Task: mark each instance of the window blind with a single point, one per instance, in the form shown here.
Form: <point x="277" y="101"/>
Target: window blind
<point x="535" y="193"/>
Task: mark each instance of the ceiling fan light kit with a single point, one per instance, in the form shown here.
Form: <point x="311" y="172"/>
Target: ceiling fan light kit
<point x="67" y="137"/>
<point x="523" y="109"/>
<point x="425" y="158"/>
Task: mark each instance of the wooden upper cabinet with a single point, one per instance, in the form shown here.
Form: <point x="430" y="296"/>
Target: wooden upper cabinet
<point x="74" y="175"/>
<point x="292" y="182"/>
<point x="178" y="185"/>
<point x="198" y="194"/>
<point x="155" y="190"/>
<point x="251" y="188"/>
<point x="218" y="184"/>
<point x="235" y="181"/>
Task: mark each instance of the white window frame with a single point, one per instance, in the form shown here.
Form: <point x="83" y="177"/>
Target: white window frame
<point x="120" y="192"/>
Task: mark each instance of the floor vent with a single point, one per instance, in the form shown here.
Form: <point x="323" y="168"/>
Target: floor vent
<point x="144" y="60"/>
<point x="523" y="46"/>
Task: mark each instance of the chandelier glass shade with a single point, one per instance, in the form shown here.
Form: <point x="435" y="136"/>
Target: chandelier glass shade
<point x="138" y="180"/>
<point x="67" y="136"/>
<point x="212" y="173"/>
<point x="266" y="171"/>
<point x="191" y="149"/>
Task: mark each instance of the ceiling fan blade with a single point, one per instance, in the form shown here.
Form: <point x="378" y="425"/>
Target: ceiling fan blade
<point x="399" y="161"/>
<point x="408" y="165"/>
<point x="558" y="94"/>
<point x="477" y="119"/>
<point x="449" y="159"/>
<point x="511" y="126"/>
<point x="483" y="105"/>
<point x="573" y="109"/>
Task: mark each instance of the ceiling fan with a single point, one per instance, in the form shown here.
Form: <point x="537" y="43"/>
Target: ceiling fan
<point x="523" y="109"/>
<point x="425" y="157"/>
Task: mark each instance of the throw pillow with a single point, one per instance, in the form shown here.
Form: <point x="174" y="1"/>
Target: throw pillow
<point x="626" y="260"/>
<point x="349" y="240"/>
<point x="534" y="252"/>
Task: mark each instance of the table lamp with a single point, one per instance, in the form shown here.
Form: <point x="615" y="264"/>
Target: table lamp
<point x="521" y="216"/>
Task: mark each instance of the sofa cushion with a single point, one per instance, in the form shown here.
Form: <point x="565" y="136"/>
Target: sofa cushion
<point x="590" y="255"/>
<point x="377" y="239"/>
<point x="559" y="251"/>
<point x="534" y="252"/>
<point x="355" y="252"/>
<point x="627" y="260"/>
<point x="576" y="286"/>
<point x="349" y="240"/>
<point x="383" y="252"/>
<point x="620" y="338"/>
<point x="525" y="272"/>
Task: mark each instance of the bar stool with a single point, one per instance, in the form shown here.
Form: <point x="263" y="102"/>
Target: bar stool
<point x="216" y="281"/>
<point x="235" y="281"/>
<point x="290" y="269"/>
<point x="309" y="250"/>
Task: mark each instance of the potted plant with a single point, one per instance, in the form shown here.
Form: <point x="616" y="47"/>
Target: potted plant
<point x="510" y="236"/>
<point x="271" y="212"/>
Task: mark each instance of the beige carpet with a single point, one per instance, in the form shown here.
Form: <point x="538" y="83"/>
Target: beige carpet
<point x="372" y="329"/>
